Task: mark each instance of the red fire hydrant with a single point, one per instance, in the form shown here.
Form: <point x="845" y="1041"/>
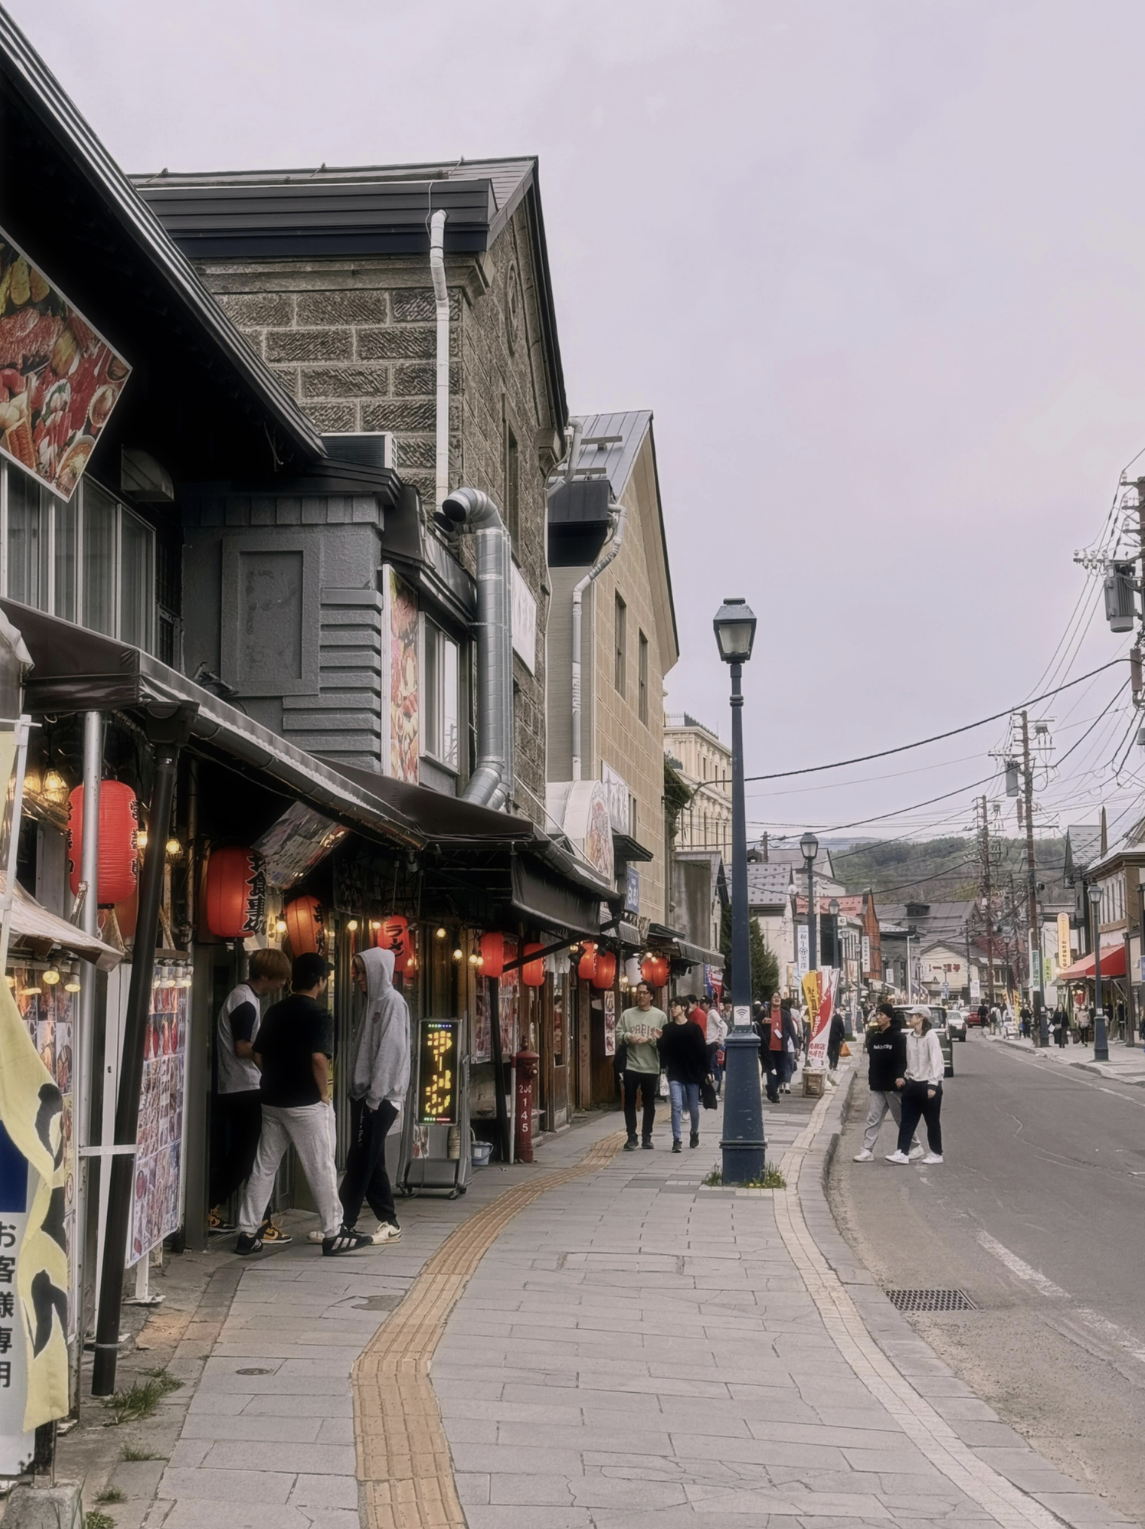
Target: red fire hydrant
<point x="526" y="1065"/>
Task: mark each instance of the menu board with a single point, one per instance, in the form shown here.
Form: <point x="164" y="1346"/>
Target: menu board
<point x="155" y="1208"/>
<point x="47" y="1012"/>
<point x="437" y="1072"/>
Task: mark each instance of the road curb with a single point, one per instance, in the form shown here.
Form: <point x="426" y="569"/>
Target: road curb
<point x="1058" y="1499"/>
<point x="1098" y="1069"/>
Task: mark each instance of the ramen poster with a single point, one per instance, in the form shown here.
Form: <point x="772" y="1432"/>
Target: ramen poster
<point x="156" y="1201"/>
<point x="59" y="379"/>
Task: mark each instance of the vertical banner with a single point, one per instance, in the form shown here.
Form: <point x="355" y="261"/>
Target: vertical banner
<point x="819" y="991"/>
<point x="803" y="951"/>
<point x="400" y="720"/>
<point x="1065" y="955"/>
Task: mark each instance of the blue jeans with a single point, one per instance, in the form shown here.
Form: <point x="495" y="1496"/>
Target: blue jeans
<point x="681" y="1094"/>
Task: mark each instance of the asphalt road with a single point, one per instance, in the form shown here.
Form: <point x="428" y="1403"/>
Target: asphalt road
<point x="1038" y="1214"/>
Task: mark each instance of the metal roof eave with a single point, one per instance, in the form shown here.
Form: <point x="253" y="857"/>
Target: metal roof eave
<point x="30" y="76"/>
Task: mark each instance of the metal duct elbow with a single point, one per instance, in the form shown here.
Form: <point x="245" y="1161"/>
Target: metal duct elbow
<point x="441" y="303"/>
<point x="472" y="512"/>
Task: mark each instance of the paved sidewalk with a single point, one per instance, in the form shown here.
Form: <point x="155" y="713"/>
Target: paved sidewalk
<point x="637" y="1352"/>
<point x="1126" y="1063"/>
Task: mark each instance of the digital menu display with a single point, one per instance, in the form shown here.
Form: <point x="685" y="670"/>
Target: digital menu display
<point x="437" y="1072"/>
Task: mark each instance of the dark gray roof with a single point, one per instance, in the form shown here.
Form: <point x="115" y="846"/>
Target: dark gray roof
<point x="942" y="921"/>
<point x="155" y="277"/>
<point x="792" y="855"/>
<point x="1082" y="845"/>
<point x="767" y="884"/>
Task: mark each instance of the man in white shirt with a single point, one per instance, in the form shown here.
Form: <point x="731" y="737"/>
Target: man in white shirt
<point x="238" y="1110"/>
<point x="717" y="1031"/>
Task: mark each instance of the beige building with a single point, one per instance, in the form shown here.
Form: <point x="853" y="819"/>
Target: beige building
<point x="706" y="767"/>
<point x="607" y="553"/>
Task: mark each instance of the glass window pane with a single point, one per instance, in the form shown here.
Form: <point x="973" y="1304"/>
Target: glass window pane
<point x="28" y="511"/>
<point x="430" y="718"/>
<point x="100" y="513"/>
<point x="66" y="557"/>
<point x="137" y="582"/>
<point x="449" y="703"/>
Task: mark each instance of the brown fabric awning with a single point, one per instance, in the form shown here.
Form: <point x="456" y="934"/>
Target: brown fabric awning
<point x="441" y="818"/>
<point x="33" y="925"/>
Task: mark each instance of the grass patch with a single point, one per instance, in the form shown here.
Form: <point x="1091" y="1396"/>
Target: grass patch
<point x="771" y="1179"/>
<point x="141" y="1400"/>
<point x="95" y="1520"/>
<point x="131" y="1453"/>
<point x="112" y="1494"/>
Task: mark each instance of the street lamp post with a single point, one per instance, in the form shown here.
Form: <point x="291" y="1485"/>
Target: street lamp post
<point x="1100" y="1039"/>
<point x="743" y="1144"/>
<point x="809" y="844"/>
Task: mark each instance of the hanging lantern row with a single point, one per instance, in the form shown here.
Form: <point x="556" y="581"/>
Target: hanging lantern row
<point x="533" y="971"/>
<point x="305" y="920"/>
<point x="655" y="970"/>
<point x="236" y="893"/>
<point x="393" y="933"/>
<point x="118" y="842"/>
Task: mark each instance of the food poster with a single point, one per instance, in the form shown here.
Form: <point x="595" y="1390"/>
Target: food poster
<point x="610" y="1024"/>
<point x="508" y="988"/>
<point x="59" y="379"/>
<point x="482" y="1036"/>
<point x="47" y="1012"/>
<point x="401" y="608"/>
<point x="155" y="1202"/>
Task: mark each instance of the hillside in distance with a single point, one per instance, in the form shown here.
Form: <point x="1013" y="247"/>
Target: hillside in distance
<point x="944" y="870"/>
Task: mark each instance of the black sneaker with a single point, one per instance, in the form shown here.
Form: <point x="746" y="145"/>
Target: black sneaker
<point x="631" y="1144"/>
<point x="345" y="1241"/>
<point x="217" y="1223"/>
<point x="676" y="1146"/>
<point x="695" y="1139"/>
<point x="248" y="1243"/>
<point x="647" y="1144"/>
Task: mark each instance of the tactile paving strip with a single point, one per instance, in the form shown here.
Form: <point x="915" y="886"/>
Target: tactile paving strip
<point x="402" y="1454"/>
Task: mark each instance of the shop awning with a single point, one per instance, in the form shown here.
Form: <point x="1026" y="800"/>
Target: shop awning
<point x="552" y="901"/>
<point x="440" y="818"/>
<point x="683" y="950"/>
<point x="1112" y="964"/>
<point x="33" y="925"/>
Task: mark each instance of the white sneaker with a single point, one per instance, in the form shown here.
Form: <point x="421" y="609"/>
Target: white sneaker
<point x="915" y="1152"/>
<point x="386" y="1232"/>
<point x="863" y="1157"/>
<point x="318" y="1237"/>
<point x="931" y="1157"/>
<point x="897" y="1157"/>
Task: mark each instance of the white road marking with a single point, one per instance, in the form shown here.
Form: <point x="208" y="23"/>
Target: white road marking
<point x="1092" y="1319"/>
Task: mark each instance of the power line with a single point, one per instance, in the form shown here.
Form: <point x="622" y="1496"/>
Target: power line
<point x="903" y="748"/>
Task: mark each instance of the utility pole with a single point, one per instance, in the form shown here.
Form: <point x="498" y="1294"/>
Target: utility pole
<point x="984" y="847"/>
<point x="1040" y="1021"/>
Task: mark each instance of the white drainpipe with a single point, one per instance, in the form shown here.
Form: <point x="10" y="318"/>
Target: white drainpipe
<point x="620" y="516"/>
<point x="441" y="300"/>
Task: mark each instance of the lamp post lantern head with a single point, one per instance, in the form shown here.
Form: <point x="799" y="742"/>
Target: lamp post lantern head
<point x="809" y="844"/>
<point x="734" y="625"/>
<point x="1095" y="895"/>
<point x="833" y="907"/>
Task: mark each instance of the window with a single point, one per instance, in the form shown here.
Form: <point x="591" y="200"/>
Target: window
<point x="621" y="636"/>
<point x="512" y="483"/>
<point x="642" y="681"/>
<point x="91" y="560"/>
<point x="439" y="681"/>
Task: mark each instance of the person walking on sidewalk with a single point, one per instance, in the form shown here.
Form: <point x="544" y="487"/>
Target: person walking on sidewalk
<point x="1024" y="1017"/>
<point x="886" y="1065"/>
<point x="377" y="1091"/>
<point x="291" y="1053"/>
<point x="836" y="1035"/>
<point x="715" y="1034"/>
<point x="684" y="1054"/>
<point x="638" y="1031"/>
<point x="238" y="1123"/>
<point x="1061" y="1030"/>
<point x="921" y="1086"/>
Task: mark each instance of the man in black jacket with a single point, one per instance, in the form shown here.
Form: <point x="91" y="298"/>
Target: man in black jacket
<point x="886" y="1053"/>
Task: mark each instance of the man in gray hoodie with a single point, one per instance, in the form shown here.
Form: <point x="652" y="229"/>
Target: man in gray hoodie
<point x="378" y="1088"/>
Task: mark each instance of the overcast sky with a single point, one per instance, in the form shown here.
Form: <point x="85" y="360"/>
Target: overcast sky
<point x="878" y="266"/>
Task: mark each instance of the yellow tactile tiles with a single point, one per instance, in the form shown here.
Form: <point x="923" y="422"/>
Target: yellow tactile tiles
<point x="402" y="1454"/>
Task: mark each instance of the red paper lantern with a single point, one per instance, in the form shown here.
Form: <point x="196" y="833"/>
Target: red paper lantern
<point x="306" y="926"/>
<point x="533" y="972"/>
<point x="654" y="970"/>
<point x="492" y="955"/>
<point x="586" y="966"/>
<point x="604" y="973"/>
<point x="118" y="842"/>
<point x="393" y="934"/>
<point x="236" y="893"/>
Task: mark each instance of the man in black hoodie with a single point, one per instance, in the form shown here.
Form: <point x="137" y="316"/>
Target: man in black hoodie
<point x="886" y="1052"/>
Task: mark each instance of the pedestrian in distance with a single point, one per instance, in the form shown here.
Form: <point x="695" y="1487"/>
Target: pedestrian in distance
<point x="921" y="1086"/>
<point x="1024" y="1018"/>
<point x="377" y="1092"/>
<point x="297" y="1109"/>
<point x="886" y="1067"/>
<point x="237" y="1123"/>
<point x="638" y="1031"/>
<point x="1061" y="1026"/>
<point x="715" y="1034"/>
<point x="697" y="1014"/>
<point x="772" y="1049"/>
<point x="684" y="1054"/>
<point x="983" y="1014"/>
<point x="836" y="1035"/>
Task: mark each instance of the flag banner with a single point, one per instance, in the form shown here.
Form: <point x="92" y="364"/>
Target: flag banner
<point x="33" y="1257"/>
<point x="819" y="990"/>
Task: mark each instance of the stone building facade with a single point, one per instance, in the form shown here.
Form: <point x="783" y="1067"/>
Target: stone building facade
<point x="349" y="327"/>
<point x="706" y="766"/>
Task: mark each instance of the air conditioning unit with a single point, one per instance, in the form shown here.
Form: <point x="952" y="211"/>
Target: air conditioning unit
<point x="368" y="448"/>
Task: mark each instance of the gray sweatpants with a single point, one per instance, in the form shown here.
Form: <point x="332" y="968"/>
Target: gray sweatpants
<point x="880" y="1106"/>
<point x="309" y="1129"/>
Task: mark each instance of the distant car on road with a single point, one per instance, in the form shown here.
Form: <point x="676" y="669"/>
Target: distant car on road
<point x="938" y="1024"/>
<point x="956" y="1023"/>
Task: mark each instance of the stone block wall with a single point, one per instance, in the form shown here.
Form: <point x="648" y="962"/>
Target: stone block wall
<point x="354" y="340"/>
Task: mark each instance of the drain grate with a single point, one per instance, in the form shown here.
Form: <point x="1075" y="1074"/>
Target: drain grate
<point x="931" y="1300"/>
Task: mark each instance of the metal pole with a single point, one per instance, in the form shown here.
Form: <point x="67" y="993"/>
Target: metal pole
<point x="87" y="1167"/>
<point x="812" y="954"/>
<point x="1100" y="1038"/>
<point x="743" y="1144"/>
<point x="170" y="730"/>
<point x="1041" y="1019"/>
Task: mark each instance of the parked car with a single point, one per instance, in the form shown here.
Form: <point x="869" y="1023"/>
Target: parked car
<point x="938" y="1024"/>
<point x="956" y="1022"/>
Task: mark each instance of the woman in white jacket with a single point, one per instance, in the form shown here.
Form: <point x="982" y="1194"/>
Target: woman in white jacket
<point x="921" y="1089"/>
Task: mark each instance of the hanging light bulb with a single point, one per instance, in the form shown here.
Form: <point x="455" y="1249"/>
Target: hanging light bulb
<point x="375" y="923"/>
<point x="141" y="839"/>
<point x="71" y="979"/>
<point x="439" y="934"/>
<point x="52" y="976"/>
<point x="55" y="787"/>
<point x="474" y="958"/>
<point x="352" y="925"/>
<point x="457" y="954"/>
<point x="174" y="849"/>
<point x="280" y="926"/>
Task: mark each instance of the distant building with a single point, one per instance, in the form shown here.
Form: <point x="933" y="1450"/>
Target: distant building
<point x="705" y="765"/>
